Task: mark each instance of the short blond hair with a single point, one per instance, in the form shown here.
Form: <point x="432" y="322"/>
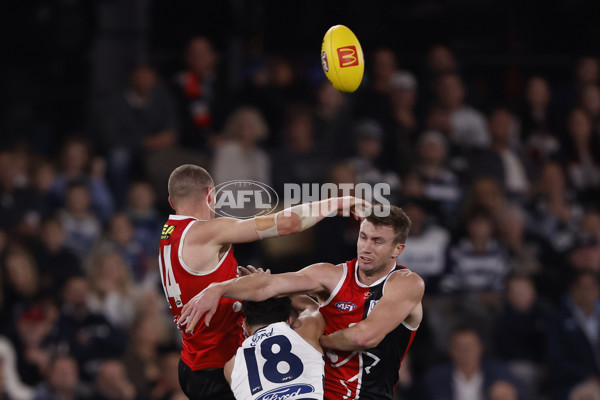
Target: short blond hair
<point x="188" y="180"/>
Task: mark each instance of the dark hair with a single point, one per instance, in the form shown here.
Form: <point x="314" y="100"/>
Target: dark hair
<point x="464" y="326"/>
<point x="576" y="277"/>
<point x="479" y="212"/>
<point x="275" y="309"/>
<point x="395" y="218"/>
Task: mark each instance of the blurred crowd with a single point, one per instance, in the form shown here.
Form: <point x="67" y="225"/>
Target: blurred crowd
<point x="504" y="196"/>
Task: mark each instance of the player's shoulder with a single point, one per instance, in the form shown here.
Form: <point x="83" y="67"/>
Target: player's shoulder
<point x="405" y="276"/>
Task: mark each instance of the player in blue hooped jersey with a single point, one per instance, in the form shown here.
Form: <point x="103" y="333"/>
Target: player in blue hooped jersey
<point x="281" y="357"/>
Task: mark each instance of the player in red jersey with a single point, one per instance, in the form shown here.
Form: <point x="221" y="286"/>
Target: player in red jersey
<point x="195" y="251"/>
<point x="371" y="305"/>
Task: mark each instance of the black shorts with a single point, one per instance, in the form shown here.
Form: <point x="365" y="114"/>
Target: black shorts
<point x="204" y="385"/>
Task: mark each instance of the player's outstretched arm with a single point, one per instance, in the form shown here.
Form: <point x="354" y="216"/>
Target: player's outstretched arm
<point x="403" y="293"/>
<point x="286" y="222"/>
<point x="314" y="279"/>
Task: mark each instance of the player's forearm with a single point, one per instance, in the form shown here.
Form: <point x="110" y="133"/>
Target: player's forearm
<point x="254" y="287"/>
<point x="303" y="216"/>
<point x="350" y="339"/>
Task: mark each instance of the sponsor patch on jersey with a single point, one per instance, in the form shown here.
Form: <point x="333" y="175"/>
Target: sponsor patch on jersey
<point x="345" y="306"/>
<point x="371" y="306"/>
<point x="166" y="231"/>
<point x="287" y="392"/>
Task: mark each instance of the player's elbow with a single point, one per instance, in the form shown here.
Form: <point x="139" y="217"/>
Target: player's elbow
<point x="288" y="224"/>
<point x="367" y="340"/>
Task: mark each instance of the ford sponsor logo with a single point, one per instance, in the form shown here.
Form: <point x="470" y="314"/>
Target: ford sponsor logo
<point x="345" y="306"/>
<point x="287" y="392"/>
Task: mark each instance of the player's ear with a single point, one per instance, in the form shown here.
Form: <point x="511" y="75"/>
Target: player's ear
<point x="171" y="203"/>
<point x="245" y="328"/>
<point x="210" y="193"/>
<point x="398" y="249"/>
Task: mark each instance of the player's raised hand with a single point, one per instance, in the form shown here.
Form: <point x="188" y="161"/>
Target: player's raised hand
<point x="204" y="304"/>
<point x="359" y="208"/>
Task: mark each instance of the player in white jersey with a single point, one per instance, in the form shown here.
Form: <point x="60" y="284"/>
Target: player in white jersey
<point x="281" y="358"/>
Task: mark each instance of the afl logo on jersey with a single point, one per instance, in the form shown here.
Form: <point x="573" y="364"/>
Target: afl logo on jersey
<point x="345" y="306"/>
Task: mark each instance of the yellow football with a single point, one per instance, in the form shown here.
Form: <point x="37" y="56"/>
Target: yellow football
<point x="342" y="59"/>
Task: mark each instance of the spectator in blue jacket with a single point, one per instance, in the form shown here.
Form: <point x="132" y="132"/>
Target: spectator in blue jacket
<point x="574" y="336"/>
<point x="468" y="375"/>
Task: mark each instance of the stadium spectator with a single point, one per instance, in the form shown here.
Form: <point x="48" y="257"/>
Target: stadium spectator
<point x="478" y="263"/>
<point x="276" y="86"/>
<point x="485" y="193"/>
<point x="523" y="250"/>
<point x="573" y="337"/>
<point x="403" y="123"/>
<point x="78" y="166"/>
<point x="143" y="214"/>
<point x="503" y="390"/>
<point x="120" y="238"/>
<point x="368" y="163"/>
<point x="587" y="72"/>
<point x="18" y="208"/>
<point x="78" y="220"/>
<point x="468" y="375"/>
<point x="42" y="180"/>
<point x="142" y="359"/>
<point x="88" y="336"/>
<point x="61" y="381"/>
<point x="468" y="128"/>
<point x="583" y="165"/>
<point x="336" y="237"/>
<point x="503" y="162"/>
<point x="239" y="156"/>
<point x="298" y="160"/>
<point x="477" y="268"/>
<point x="55" y="262"/>
<point x="28" y="332"/>
<point x="11" y="386"/>
<point x="21" y="280"/>
<point x="426" y="245"/>
<point x="590" y="102"/>
<point x="112" y="290"/>
<point x="135" y="127"/>
<point x="441" y="185"/>
<point x="112" y="382"/>
<point x="439" y="60"/>
<point x="374" y="96"/>
<point x="588" y="390"/>
<point x="520" y="333"/>
<point x="556" y="212"/>
<point x="539" y="123"/>
<point x="167" y="387"/>
<point x="333" y="120"/>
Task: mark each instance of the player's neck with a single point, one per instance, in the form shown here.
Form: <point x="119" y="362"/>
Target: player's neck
<point x="201" y="213"/>
<point x="370" y="277"/>
<point x="254" y="328"/>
